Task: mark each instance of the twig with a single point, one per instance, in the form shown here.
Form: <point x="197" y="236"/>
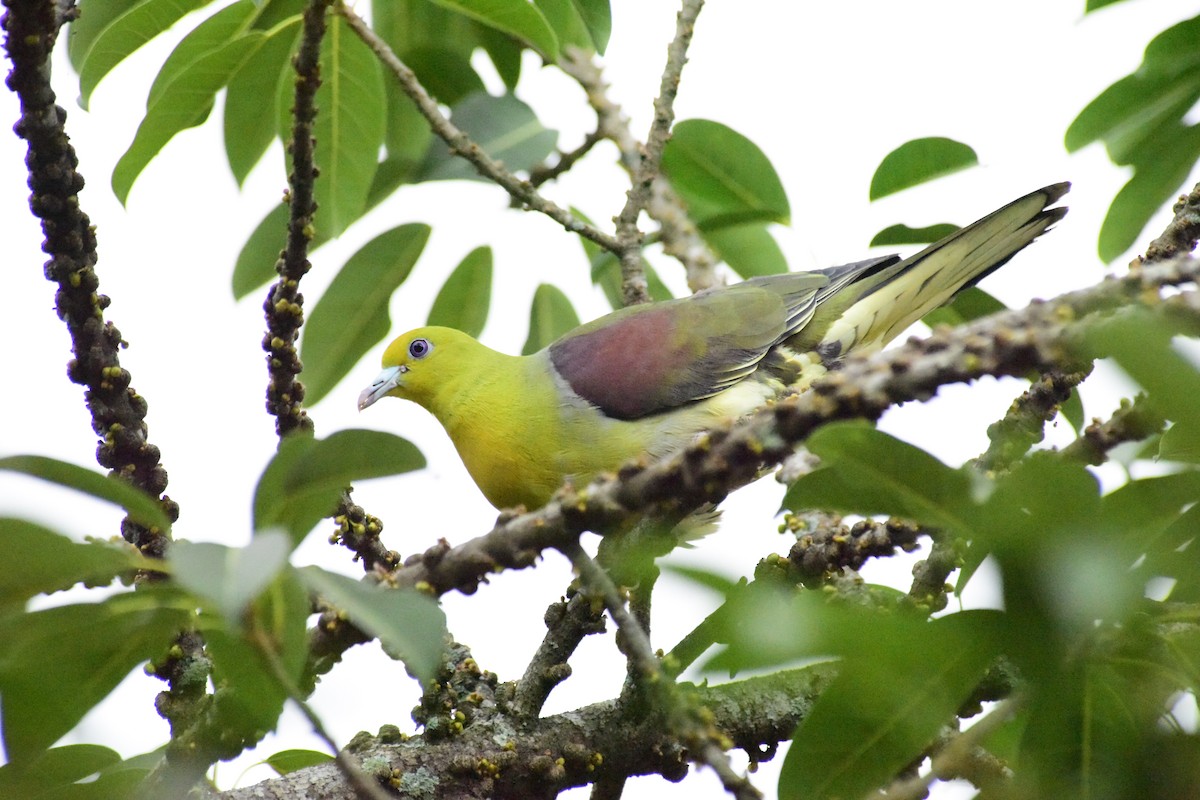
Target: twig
<point x="567" y="623"/>
<point x="1024" y="424"/>
<point x="629" y="238"/>
<point x="541" y="174"/>
<point x="700" y="739"/>
<point x="462" y="145"/>
<point x="953" y="759"/>
<point x="680" y="237"/>
<point x="1132" y="422"/>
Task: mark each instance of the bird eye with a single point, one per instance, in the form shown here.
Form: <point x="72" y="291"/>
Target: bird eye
<point x="419" y="348"/>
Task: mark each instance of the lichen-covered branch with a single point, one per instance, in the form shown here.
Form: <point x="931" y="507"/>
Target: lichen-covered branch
<point x="1182" y="233"/>
<point x="462" y="145"/>
<point x="1024" y="424"/>
<point x="567" y="623"/>
<point x="493" y="759"/>
<point x="1133" y="421"/>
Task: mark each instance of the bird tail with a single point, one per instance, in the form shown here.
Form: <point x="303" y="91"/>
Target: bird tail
<point x="882" y="301"/>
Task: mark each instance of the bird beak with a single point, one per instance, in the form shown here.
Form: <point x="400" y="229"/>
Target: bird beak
<point x="384" y="382"/>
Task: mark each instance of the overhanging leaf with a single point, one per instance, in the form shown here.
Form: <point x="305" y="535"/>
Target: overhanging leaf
<point x="229" y="577"/>
<point x="918" y="161"/>
<point x="51" y="562"/>
<point x="464" y="298"/>
<point x="894" y="235"/>
<point x="504" y="127"/>
<point x="409" y="625"/>
<point x="249" y="122"/>
<point x="141" y="507"/>
<point x="352" y="316"/>
<point x="516" y="17"/>
<point x="969" y="304"/>
<point x="749" y="249"/>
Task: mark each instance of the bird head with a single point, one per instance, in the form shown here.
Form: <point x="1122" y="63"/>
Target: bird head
<point x="416" y="364"/>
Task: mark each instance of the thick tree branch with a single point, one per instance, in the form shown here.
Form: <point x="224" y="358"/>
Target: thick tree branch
<point x="462" y="145"/>
<point x="552" y="754"/>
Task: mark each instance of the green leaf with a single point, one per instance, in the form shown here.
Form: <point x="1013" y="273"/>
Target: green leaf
<point x="409" y="625"/>
<point x="918" y="161"/>
<point x="286" y="761"/>
<point x="51" y="562"/>
<point x="251" y="695"/>
<point x="182" y="103"/>
<point x="463" y="300"/>
<point x="274" y="507"/>
<point x="92" y="647"/>
<point x="352" y="316"/>
<point x="550" y="316"/>
<point x="886" y="706"/>
<point x="597" y="16"/>
<point x="229" y="577"/>
<point x="1155" y="180"/>
<point x="408" y="135"/>
<point x="94" y="17"/>
<point x="125" y="34"/>
<point x="141" y="507"/>
<point x="349" y="128"/>
<point x="49" y="774"/>
<point x="894" y="235"/>
<point x="606" y="270"/>
<point x="565" y="20"/>
<point x="748" y="249"/>
<point x="1093" y="5"/>
<point x="866" y="471"/>
<point x="723" y="177"/>
<point x="515" y="17"/>
<point x="505" y="53"/>
<point x="352" y="455"/>
<point x="969" y="304"/>
<point x="255" y="264"/>
<point x="249" y="122"/>
<point x="503" y="127"/>
<point x="214" y="32"/>
<point x="1180" y="442"/>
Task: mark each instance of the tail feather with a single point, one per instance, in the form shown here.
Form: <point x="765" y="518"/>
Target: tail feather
<point x="881" y="304"/>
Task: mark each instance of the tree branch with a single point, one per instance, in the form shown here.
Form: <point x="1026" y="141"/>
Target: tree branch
<point x="555" y="753"/>
<point x="1182" y="233"/>
<point x="462" y="145"/>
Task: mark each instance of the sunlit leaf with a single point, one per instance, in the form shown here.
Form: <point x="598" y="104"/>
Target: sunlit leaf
<point x="352" y="315"/>
<point x="516" y="17"/>
<point x="464" y="298"/>
<point x="550" y="316"/>
<point x="249" y="121"/>
<point x="918" y="161"/>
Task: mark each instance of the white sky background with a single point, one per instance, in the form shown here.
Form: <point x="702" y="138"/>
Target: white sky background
<point x="825" y="93"/>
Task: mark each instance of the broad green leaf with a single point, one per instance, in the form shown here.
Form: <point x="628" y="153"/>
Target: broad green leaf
<point x="445" y="73"/>
<point x="1093" y="5"/>
<point x="229" y="577"/>
<point x="550" y="316"/>
<point x="410" y="626"/>
<point x="565" y="20"/>
<point x="1180" y="442"/>
<point x="255" y="264"/>
<point x="183" y="103"/>
<point x="408" y="135"/>
<point x="866" y="471"/>
<point x="141" y="507"/>
<point x="250" y="694"/>
<point x="94" y="17"/>
<point x="286" y="761"/>
<point x="349" y="127"/>
<point x="352" y="315"/>
<point x="597" y="16"/>
<point x="91" y="646"/>
<point x="894" y="235"/>
<point x="723" y="177"/>
<point x="503" y="127"/>
<point x="749" y="249"/>
<point x="275" y="507"/>
<point x="211" y="34"/>
<point x="50" y="562"/>
<point x="516" y="17"/>
<point x="272" y="13"/>
<point x="886" y="706"/>
<point x="466" y="295"/>
<point x="49" y="774"/>
<point x="1155" y="180"/>
<point x="505" y="54"/>
<point x="249" y="121"/>
<point x="352" y="455"/>
<point x="969" y="304"/>
<point x="304" y="480"/>
<point x="918" y="161"/>
<point x="123" y="35"/>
